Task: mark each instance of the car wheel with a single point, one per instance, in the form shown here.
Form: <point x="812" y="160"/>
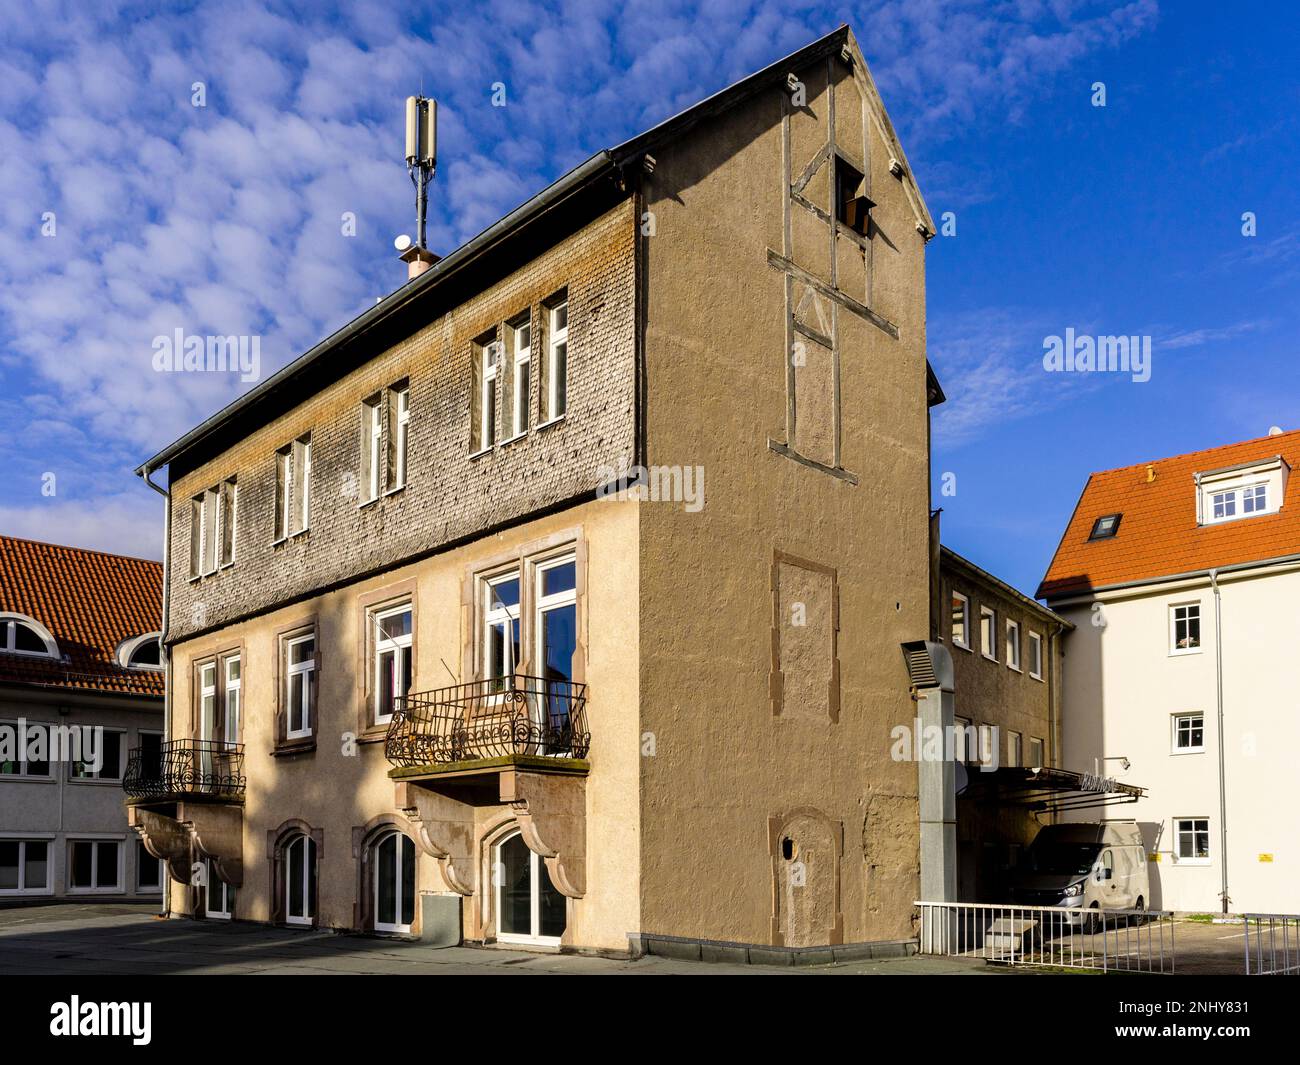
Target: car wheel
<point x="1140" y="916"/>
<point x="1092" y="923"/>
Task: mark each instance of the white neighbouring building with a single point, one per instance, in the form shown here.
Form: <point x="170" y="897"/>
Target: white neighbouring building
<point x="1182" y="579"/>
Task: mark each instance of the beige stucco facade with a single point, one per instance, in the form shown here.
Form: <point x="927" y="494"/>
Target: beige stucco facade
<point x="740" y="651"/>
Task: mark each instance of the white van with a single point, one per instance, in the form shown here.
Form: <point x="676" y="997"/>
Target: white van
<point x="1089" y="868"/>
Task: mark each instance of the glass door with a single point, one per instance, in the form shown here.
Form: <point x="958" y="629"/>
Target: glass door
<point x="529" y="908"/>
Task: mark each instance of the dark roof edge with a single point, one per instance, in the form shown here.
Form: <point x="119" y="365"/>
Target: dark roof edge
<point x="559" y="189"/>
<point x="998" y="582"/>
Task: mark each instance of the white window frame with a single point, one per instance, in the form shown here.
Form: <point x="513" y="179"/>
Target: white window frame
<point x="398" y="872"/>
<point x="396" y="644"/>
<point x="1209" y="840"/>
<point x="95" y="842"/>
<point x="1235" y="498"/>
<point x="961" y="738"/>
<point x="965" y="641"/>
<point x="402" y="397"/>
<point x="491" y="354"/>
<point x="48" y="887"/>
<point x="1015" y="749"/>
<point x="495" y="614"/>
<point x="987" y="613"/>
<point x="536" y="869"/>
<point x="1175" y="726"/>
<point x="522" y="362"/>
<point x="555" y="336"/>
<point x="308" y="916"/>
<point x="9" y="636"/>
<point x="227" y="895"/>
<point x="1174" y="649"/>
<point x="89" y="776"/>
<point x="373" y="412"/>
<point x="542" y="604"/>
<point x="1041" y="760"/>
<point x="1035" y="655"/>
<point x="233" y="698"/>
<point x="306" y="669"/>
<point x="208" y="700"/>
<point x="305" y="443"/>
<point x="988" y="738"/>
<point x="1013" y="645"/>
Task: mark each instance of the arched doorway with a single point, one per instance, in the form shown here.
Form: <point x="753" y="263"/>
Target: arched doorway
<point x="529" y="908"/>
<point x="393" y="884"/>
<point x="300" y="880"/>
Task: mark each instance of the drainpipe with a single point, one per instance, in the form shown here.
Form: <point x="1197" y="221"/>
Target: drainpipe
<point x="164" y="652"/>
<point x="1218" y="683"/>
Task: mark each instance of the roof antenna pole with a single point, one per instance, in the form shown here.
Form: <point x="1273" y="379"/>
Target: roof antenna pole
<point x="421" y="163"/>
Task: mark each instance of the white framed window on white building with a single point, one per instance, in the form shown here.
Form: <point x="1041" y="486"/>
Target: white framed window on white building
<point x="960" y="620"/>
<point x="300" y="686"/>
<point x="1188" y="733"/>
<point x="1013" y="645"/>
<point x="393" y="633"/>
<point x="556" y="391"/>
<point x="1242" y="502"/>
<point x="1185" y="628"/>
<point x="521" y="332"/>
<point x="25" y="867"/>
<point x="1192" y="840"/>
<point x="94" y="866"/>
<point x="1035" y="656"/>
<point x="988" y="633"/>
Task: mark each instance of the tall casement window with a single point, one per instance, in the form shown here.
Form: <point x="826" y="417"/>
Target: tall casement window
<point x="1015" y="749"/>
<point x="385" y="424"/>
<point x="1192" y="840"/>
<point x="988" y="633"/>
<point x="960" y="620"/>
<point x="372" y="436"/>
<point x="555" y="386"/>
<point x="299" y="686"/>
<point x="393" y="633"/>
<point x="220" y="896"/>
<point x="293" y="488"/>
<point x="486" y="362"/>
<point x="1185" y="628"/>
<point x="1189" y="733"/>
<point x="95" y="865"/>
<point x="521" y="348"/>
<point x="1036" y="753"/>
<point x="25" y="867"/>
<point x="112" y="759"/>
<point x="393" y="886"/>
<point x="212" y="528"/>
<point x="529" y="907"/>
<point x="300" y="880"/>
<point x="556" y="625"/>
<point x="14" y="761"/>
<point x="1013" y="645"/>
<point x="501" y="628"/>
<point x="964" y="740"/>
<point x="219" y="683"/>
<point x="1035" y="656"/>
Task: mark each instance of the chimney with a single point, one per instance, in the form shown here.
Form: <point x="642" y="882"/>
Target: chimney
<point x="417" y="260"/>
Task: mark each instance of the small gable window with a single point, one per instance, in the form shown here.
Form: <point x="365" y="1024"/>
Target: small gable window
<point x="852" y="205"/>
<point x="141" y="652"/>
<point x="1105" y="527"/>
<point x="21" y="635"/>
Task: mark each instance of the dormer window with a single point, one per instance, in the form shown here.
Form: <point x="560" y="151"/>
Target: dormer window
<point x="21" y="635"/>
<point x="1245" y="491"/>
<point x="141" y="652"/>
<point x="1105" y="527"/>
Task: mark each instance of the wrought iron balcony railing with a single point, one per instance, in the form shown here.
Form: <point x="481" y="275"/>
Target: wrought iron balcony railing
<point x="489" y="719"/>
<point x="186" y="769"/>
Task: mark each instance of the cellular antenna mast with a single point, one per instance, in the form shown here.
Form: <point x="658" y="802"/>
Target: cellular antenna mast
<point x="421" y="154"/>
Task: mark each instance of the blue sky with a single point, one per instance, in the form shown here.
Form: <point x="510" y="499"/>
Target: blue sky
<point x="225" y="219"/>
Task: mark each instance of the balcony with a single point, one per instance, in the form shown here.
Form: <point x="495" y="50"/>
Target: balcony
<point x="508" y="721"/>
<point x="186" y="770"/>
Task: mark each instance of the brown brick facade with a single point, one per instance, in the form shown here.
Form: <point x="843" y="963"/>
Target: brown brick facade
<point x="449" y="495"/>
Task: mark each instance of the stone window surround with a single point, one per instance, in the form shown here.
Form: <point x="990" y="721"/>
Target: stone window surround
<point x="282" y="745"/>
<point x="215" y="653"/>
<point x="276" y="841"/>
<point x="370" y="604"/>
<point x="364" y="838"/>
<point x="525" y="558"/>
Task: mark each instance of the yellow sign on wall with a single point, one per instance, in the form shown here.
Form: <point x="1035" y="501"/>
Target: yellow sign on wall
<point x="1266" y="857"/>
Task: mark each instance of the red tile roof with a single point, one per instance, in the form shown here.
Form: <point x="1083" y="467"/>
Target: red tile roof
<point x="1158" y="535"/>
<point x="90" y="602"/>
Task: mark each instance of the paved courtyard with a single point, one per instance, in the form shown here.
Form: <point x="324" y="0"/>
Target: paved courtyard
<point x="121" y="939"/>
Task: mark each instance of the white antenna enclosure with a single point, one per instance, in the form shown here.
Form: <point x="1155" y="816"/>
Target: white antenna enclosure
<point x="421" y="131"/>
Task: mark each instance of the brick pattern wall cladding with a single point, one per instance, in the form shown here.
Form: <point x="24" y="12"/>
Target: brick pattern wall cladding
<point x="448" y="494"/>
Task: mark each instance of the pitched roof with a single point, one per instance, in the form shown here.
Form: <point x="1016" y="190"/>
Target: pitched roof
<point x="603" y="165"/>
<point x="1158" y="534"/>
<point x="90" y="602"/>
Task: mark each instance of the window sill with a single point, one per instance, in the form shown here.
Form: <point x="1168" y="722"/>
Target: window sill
<point x="106" y="783"/>
<point x="373" y="734"/>
<point x="1186" y="750"/>
<point x="1036" y="676"/>
<point x="989" y="657"/>
<point x="513" y="439"/>
<point x="964" y="646"/>
<point x="1183" y="651"/>
<point x="551" y="421"/>
<point x="304" y="745"/>
<point x="15" y="778"/>
<point x="394" y="491"/>
<point x="292" y="536"/>
<point x="367" y="503"/>
<point x="480" y="453"/>
<point x="1199" y="862"/>
<point x="1014" y="669"/>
